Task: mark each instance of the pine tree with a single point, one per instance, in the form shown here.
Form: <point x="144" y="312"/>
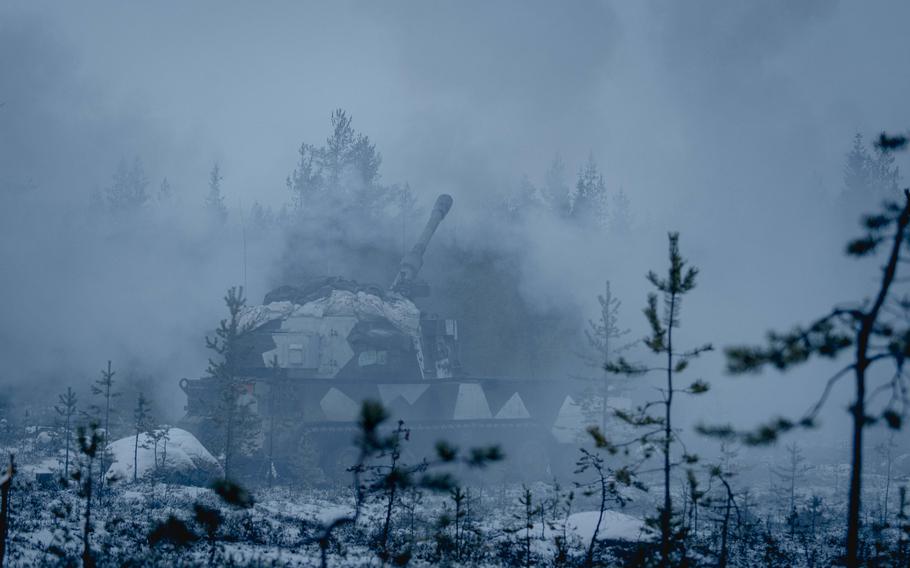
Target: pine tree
<point x="620" y="214"/>
<point x="605" y="485"/>
<point x="604" y="337"/>
<point x="160" y="437"/>
<point x="662" y="342"/>
<point x="364" y="162"/>
<point x="214" y="200"/>
<point x="104" y="387"/>
<point x="165" y="193"/>
<point x="66" y="409"/>
<point x="858" y="168"/>
<point x="791" y="472"/>
<point x="141" y="425"/>
<point x="524" y="523"/>
<point x="346" y="151"/>
<point x="341" y="174"/>
<point x="887" y="174"/>
<point x="874" y="331"/>
<point x="128" y="192"/>
<point x="262" y="219"/>
<point x="373" y="442"/>
<point x="556" y="187"/>
<point x="6" y="484"/>
<point x="726" y="504"/>
<point x="903" y="522"/>
<point x="91" y="444"/>
<point x="885" y="450"/>
<point x="528" y="515"/>
<point x="232" y="413"/>
<point x="459" y="501"/>
<point x="306" y="180"/>
<point x="386" y="483"/>
<point x="589" y="206"/>
<point x="336" y="153"/>
<point x="869" y="177"/>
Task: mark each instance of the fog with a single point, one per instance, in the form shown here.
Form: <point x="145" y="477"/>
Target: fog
<point x="728" y="122"/>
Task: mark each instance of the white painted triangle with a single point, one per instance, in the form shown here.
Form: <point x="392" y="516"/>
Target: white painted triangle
<point x="570" y="422"/>
<point x="471" y="403"/>
<point x="514" y="408"/>
<point x="409" y="392"/>
<point x="338" y="406"/>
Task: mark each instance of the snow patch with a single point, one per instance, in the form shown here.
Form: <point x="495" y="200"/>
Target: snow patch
<point x="47" y="466"/>
<point x="614" y="526"/>
<point x="186" y="460"/>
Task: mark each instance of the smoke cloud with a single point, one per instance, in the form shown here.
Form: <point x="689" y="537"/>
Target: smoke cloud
<point x="728" y="122"/>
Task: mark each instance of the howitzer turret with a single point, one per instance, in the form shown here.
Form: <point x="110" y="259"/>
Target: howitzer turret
<point x="406" y="282"/>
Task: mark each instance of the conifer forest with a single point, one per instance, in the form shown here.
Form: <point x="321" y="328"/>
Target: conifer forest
<point x="455" y="283"/>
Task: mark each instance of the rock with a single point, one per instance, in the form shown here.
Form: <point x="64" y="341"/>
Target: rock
<point x="182" y="460"/>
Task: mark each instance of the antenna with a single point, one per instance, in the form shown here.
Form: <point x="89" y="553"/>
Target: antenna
<point x="243" y="244"/>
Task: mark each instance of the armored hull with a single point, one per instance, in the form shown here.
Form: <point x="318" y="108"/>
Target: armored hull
<point x="520" y="415"/>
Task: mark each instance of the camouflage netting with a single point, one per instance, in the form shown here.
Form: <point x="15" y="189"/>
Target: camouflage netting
<point x="319" y="288"/>
<point x="338" y="297"/>
<point x="385" y="319"/>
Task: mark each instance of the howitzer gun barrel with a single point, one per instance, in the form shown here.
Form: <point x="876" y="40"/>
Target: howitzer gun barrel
<point x="413" y="260"/>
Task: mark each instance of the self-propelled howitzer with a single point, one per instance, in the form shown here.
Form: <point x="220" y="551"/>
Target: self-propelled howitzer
<point x="312" y="353"/>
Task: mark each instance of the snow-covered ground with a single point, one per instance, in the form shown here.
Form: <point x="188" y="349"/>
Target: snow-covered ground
<point x="283" y="526"/>
<point x="614" y="526"/>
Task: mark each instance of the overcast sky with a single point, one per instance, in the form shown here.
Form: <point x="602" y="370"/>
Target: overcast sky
<point x="725" y="120"/>
<point x="487" y="88"/>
